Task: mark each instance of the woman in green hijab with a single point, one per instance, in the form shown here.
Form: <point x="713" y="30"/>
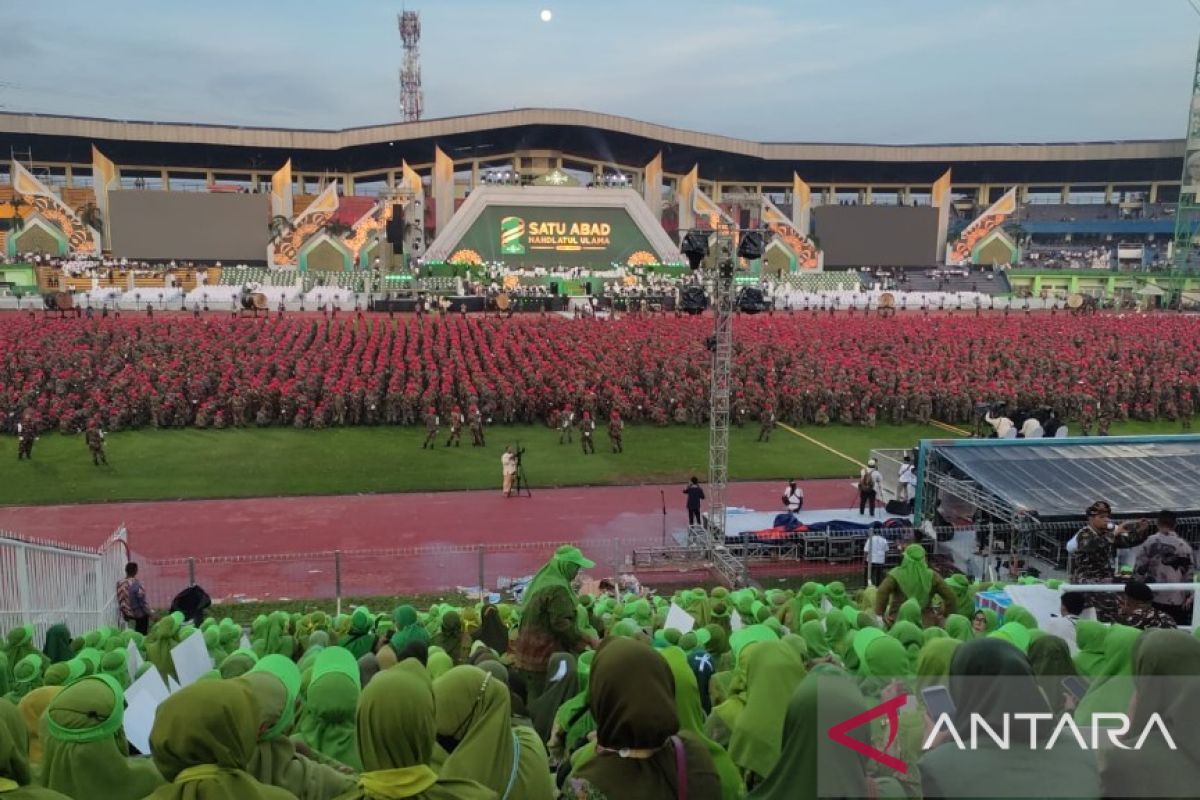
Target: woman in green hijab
<point x="691" y="719"/>
<point x="959" y="627"/>
<point x="912" y="580"/>
<point x="1089" y="637"/>
<point x="20" y="644"/>
<point x="275" y="683"/>
<point x="573" y="720"/>
<point x="238" y="663"/>
<point x="86" y="754"/>
<point x="820" y="701"/>
<point x="910" y="611"/>
<point x="15" y="775"/>
<point x="638" y="736"/>
<point x="451" y="637"/>
<point x="1050" y="658"/>
<point x="1166" y="665"/>
<point x="1021" y="616"/>
<point x="361" y="638"/>
<point x="438" y="663"/>
<point x="408" y="628"/>
<point x="327" y="720"/>
<point x="1112" y="686"/>
<point x="27" y="676"/>
<point x="562" y="684"/>
<point x="838" y="633"/>
<point x="774" y="672"/>
<point x="881" y="659"/>
<point x="550" y="621"/>
<point x="396" y="733"/>
<point x="58" y="644"/>
<point x="474" y="725"/>
<point x="909" y="635"/>
<point x="994" y="680"/>
<point x="163" y="637"/>
<point x="203" y="738"/>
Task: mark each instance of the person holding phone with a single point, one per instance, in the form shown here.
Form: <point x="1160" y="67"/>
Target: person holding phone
<point x="1094" y="549"/>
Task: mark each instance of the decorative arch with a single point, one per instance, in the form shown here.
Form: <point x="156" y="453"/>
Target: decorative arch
<point x="324" y="253"/>
<point x="40" y="236"/>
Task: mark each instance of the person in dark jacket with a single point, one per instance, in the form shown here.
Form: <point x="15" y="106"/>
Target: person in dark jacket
<point x="694" y="495"/>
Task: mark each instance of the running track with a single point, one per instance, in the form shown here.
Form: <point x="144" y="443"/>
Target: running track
<point x="429" y="541"/>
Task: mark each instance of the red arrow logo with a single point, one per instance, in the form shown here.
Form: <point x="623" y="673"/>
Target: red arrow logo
<point x="892" y="709"/>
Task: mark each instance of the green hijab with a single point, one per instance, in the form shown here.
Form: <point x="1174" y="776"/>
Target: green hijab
<point x="912" y="638"/>
<point x="562" y="684"/>
<point x="962" y="591"/>
<point x="819" y="702"/>
<point x="813" y="635"/>
<point x="327" y="720"/>
<point x="58" y="644"/>
<point x="1112" y="688"/>
<point x="1021" y="616"/>
<point x="959" y="627"/>
<point x="15" y="773"/>
<point x="838" y="632"/>
<point x="573" y="716"/>
<point x="1015" y="634"/>
<point x="914" y="576"/>
<point x="203" y="738"/>
<point x="880" y="657"/>
<point x="774" y="672"/>
<point x="910" y="611"/>
<point x="238" y="663"/>
<point x="361" y="638"/>
<point x="1162" y="654"/>
<point x="164" y="636"/>
<point x="1050" y="657"/>
<point x="559" y="571"/>
<point x="20" y="643"/>
<point x="474" y="709"/>
<point x="396" y="732"/>
<point x="450" y="636"/>
<point x="1089" y="636"/>
<point x="641" y="715"/>
<point x="973" y="665"/>
<point x="276" y="685"/>
<point x="115" y="664"/>
<point x="438" y="664"/>
<point x="739" y="640"/>
<point x="933" y="665"/>
<point x="691" y="718"/>
<point x="86" y="754"/>
<point x="27" y="676"/>
<point x="408" y="628"/>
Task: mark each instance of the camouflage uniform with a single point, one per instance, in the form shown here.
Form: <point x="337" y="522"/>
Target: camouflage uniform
<point x="767" y="422"/>
<point x="95" y="443"/>
<point x="1093" y="562"/>
<point x="456" y="426"/>
<point x="1146" y="616"/>
<point x="587" y="426"/>
<point x="26" y="434"/>
<point x="616" y="429"/>
<point x="566" y="422"/>
<point x="476" y="423"/>
<point x="432" y="423"/>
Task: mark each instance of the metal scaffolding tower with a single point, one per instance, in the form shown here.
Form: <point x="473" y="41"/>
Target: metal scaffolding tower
<point x="412" y="98"/>
<point x="718" y="390"/>
<point x="1187" y="210"/>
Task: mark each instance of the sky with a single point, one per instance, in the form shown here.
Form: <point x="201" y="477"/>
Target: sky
<point x="886" y="71"/>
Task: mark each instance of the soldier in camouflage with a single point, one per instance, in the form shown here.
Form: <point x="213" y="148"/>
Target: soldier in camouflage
<point x="456" y="425"/>
<point x="432" y="423"/>
<point x="616" y="430"/>
<point x="95" y="442"/>
<point x="1093" y="552"/>
<point x="767" y="424"/>
<point x="1137" y="608"/>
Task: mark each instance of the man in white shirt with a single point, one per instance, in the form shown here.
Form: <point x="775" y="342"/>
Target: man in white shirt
<point x="907" y="480"/>
<point x="1032" y="429"/>
<point x="793" y="497"/>
<point x="875" y="556"/>
<point x="1003" y="426"/>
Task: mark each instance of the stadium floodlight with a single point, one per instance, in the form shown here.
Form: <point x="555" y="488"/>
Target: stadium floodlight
<point x="751" y="246"/>
<point x="695" y="248"/>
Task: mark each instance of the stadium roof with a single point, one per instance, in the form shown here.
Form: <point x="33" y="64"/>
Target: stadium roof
<point x="602" y="137"/>
<point x="1055" y="478"/>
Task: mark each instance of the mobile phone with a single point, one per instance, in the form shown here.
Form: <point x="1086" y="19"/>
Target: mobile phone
<point x="937" y="701"/>
<point x="1076" y="686"/>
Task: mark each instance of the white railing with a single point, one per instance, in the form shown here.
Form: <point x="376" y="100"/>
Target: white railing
<point x="45" y="583"/>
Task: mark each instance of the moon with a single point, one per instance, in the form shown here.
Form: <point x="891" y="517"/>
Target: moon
<point x="546" y="15"/>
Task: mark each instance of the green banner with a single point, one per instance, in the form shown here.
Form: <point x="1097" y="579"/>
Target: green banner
<point x="551" y="236"/>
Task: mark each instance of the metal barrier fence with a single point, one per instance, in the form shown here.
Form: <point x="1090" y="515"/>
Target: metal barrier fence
<point x="46" y="583"/>
<point x="338" y="574"/>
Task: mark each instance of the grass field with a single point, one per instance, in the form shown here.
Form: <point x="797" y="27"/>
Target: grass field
<point x="176" y="464"/>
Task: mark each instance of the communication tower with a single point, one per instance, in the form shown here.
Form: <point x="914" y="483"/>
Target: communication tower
<point x="412" y="98"/>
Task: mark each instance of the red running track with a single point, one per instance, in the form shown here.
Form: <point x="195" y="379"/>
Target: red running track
<point x="429" y="541"/>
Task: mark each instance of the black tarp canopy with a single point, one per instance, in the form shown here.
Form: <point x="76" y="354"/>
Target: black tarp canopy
<point x="1056" y="478"/>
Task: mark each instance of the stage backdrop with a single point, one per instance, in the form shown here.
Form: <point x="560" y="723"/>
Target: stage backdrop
<point x="877" y="236"/>
<point x="532" y="235"/>
<point x="162" y="226"/>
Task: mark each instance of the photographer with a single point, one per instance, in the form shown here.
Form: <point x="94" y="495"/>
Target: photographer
<point x="1001" y="424"/>
<point x="510" y="460"/>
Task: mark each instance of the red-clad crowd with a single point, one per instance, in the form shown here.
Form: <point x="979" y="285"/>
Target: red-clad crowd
<point x="311" y="372"/>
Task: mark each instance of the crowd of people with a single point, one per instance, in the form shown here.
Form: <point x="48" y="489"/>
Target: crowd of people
<point x="795" y="368"/>
<point x="701" y="694"/>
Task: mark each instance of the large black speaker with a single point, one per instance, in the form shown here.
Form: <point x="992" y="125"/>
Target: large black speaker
<point x="395" y="228"/>
<point x="554" y="288"/>
<point x="693" y="300"/>
<point x="750" y="300"/>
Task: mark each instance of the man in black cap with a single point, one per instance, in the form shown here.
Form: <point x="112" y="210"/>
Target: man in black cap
<point x="1137" y="608"/>
<point x="1093" y="555"/>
